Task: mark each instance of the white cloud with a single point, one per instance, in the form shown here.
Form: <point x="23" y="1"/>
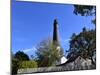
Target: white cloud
<point x="66" y="40"/>
<point x="29" y="49"/>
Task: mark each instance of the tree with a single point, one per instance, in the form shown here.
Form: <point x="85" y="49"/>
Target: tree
<point x="47" y="54"/>
<point x="89" y="37"/>
<point x="21" y="56"/>
<point x="14" y="65"/>
<point x="17" y="59"/>
<point x="83" y="44"/>
<point x="85" y="10"/>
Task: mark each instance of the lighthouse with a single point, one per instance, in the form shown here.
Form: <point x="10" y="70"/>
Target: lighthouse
<point x="56" y="41"/>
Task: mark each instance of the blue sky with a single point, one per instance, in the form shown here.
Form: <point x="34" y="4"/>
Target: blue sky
<point x="32" y="22"/>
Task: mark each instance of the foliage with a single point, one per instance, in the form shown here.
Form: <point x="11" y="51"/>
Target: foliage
<point x="17" y="59"/>
<point x="15" y="66"/>
<point x="47" y="54"/>
<point x="83" y="44"/>
<point x="21" y="56"/>
<point x="28" y="64"/>
<point x="85" y="10"/>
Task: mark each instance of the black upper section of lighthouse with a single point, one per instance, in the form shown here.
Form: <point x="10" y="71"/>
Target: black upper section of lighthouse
<point x="55" y="32"/>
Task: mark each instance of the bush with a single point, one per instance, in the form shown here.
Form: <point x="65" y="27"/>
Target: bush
<point x="15" y="66"/>
<point x="28" y="64"/>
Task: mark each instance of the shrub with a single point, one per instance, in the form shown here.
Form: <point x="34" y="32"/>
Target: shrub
<point x="28" y="64"/>
<point x="15" y="66"/>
